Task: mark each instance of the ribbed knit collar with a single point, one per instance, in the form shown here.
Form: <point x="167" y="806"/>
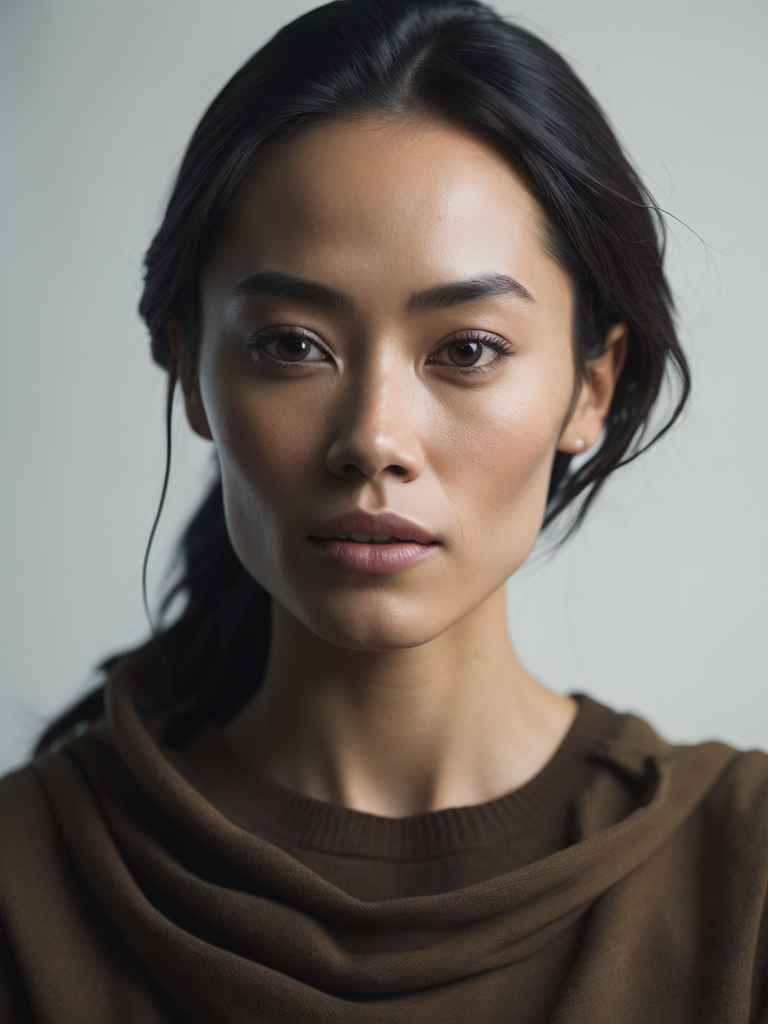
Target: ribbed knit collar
<point x="256" y="802"/>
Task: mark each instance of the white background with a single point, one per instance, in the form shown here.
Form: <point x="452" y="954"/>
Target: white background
<point x="658" y="606"/>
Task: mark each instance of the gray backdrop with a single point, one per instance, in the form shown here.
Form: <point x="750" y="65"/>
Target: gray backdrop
<point x="657" y="607"/>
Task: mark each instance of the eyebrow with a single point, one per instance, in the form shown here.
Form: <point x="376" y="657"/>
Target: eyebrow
<point x="440" y="296"/>
<point x="277" y="282"/>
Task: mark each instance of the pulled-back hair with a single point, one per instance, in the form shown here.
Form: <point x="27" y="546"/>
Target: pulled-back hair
<point x="461" y="62"/>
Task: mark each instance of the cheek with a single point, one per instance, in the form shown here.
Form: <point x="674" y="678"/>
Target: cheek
<point x="269" y="450"/>
<point x="266" y="440"/>
<point x="496" y="459"/>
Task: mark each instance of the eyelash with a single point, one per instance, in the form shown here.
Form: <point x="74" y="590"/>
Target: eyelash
<point x="502" y="348"/>
<point x="257" y="347"/>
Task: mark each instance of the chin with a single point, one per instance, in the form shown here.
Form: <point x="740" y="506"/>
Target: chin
<point x="370" y="623"/>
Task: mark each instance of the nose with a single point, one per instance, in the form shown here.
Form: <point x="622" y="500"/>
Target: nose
<point x="377" y="433"/>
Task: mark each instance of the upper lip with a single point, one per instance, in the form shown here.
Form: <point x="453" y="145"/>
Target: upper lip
<point x="376" y="523"/>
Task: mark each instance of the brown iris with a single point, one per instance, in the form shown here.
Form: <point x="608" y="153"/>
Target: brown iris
<point x="465" y="353"/>
<point x="291" y="348"/>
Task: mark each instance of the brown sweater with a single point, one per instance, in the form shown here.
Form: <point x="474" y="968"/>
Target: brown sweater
<point x="625" y="883"/>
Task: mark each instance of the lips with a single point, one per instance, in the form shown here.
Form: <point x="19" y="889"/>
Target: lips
<point x="380" y="526"/>
<point x="367" y="542"/>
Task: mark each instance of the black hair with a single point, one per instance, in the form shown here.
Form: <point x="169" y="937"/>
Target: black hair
<point x="461" y="62"/>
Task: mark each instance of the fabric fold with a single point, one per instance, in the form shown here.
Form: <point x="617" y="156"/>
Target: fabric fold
<point x="229" y="925"/>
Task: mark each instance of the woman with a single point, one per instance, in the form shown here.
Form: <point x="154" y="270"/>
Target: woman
<point x="405" y="276"/>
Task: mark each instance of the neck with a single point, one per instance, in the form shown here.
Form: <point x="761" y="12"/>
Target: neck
<point x="454" y="722"/>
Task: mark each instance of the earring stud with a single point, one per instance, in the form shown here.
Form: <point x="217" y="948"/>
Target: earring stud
<point x="580" y="443"/>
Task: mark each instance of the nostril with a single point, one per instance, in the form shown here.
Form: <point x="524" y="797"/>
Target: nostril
<point x="351" y="467"/>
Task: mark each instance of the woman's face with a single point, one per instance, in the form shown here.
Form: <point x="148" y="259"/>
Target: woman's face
<point x="384" y="332"/>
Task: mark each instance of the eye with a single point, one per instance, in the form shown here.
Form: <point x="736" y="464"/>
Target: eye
<point x="287" y="347"/>
<point x="472" y="351"/>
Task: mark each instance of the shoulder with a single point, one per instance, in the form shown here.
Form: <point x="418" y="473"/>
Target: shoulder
<point x="740" y="792"/>
<point x="28" y="829"/>
<point x="738" y="779"/>
<point x="729" y="812"/>
<point x="634" y="739"/>
<point x="22" y="799"/>
<point x="16" y="786"/>
<point x="37" y="802"/>
<point x="712" y="781"/>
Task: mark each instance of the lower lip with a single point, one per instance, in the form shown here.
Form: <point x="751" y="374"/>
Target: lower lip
<point x="373" y="558"/>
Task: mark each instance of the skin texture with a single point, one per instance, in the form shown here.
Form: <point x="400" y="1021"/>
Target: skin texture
<point x="394" y="694"/>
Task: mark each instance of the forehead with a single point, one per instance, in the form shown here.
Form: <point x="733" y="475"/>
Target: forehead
<point x="366" y="196"/>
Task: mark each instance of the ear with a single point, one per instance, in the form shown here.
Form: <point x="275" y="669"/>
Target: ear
<point x="193" y="404"/>
<point x="594" y="400"/>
